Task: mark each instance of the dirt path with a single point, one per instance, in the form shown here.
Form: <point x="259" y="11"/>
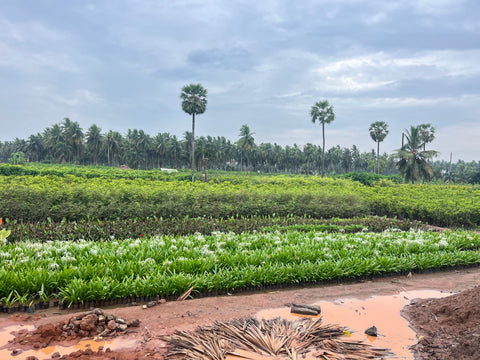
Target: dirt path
<point x="165" y="318"/>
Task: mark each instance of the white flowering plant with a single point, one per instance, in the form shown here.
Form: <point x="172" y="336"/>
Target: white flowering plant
<point x="4" y="233"/>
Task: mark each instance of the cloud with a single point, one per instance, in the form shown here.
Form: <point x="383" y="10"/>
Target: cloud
<point x="22" y="47"/>
<point x="76" y="99"/>
<point x="460" y="139"/>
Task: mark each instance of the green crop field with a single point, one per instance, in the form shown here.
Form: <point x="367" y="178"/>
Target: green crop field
<point x="79" y="234"/>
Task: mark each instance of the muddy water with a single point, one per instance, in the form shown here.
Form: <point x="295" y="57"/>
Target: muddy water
<point x="358" y="315"/>
<point x="46" y="353"/>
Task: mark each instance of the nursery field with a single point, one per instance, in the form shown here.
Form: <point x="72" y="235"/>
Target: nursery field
<point x="91" y="271"/>
<point x="87" y="236"/>
<point x="73" y="195"/>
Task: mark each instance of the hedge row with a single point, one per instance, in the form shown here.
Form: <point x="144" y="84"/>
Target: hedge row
<point x="137" y="228"/>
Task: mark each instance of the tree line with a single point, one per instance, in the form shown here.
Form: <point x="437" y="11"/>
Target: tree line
<point x="66" y="142"/>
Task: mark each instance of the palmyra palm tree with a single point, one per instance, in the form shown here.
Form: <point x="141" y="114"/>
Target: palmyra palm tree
<point x="378" y="133"/>
<point x="322" y="112"/>
<point x="194" y="101"/>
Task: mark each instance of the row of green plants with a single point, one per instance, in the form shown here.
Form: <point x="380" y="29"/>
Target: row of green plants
<point x="89" y="172"/>
<point x="104" y="230"/>
<point x="28" y="198"/>
<point x="108" y="172"/>
<point x="80" y="271"/>
<point x="36" y="198"/>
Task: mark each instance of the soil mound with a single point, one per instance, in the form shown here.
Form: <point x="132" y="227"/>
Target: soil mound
<point x="88" y="324"/>
<point x="447" y="328"/>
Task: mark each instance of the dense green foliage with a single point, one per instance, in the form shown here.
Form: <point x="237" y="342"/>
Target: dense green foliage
<point x="370" y="178"/>
<point x="38" y="198"/>
<point x="138" y="228"/>
<point x="83" y="234"/>
<point x="67" y="143"/>
<point x="168" y="265"/>
<point x="110" y="194"/>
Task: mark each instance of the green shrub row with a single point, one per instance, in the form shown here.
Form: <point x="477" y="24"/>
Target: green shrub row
<point x="102" y="230"/>
<point x="168" y="265"/>
<point x="73" y="198"/>
<point x="37" y="198"/>
<point x="370" y="179"/>
<point x="90" y="172"/>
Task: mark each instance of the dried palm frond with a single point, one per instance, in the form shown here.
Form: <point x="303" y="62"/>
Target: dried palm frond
<point x="276" y="338"/>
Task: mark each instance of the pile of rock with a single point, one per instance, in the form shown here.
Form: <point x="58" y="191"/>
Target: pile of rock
<point x="96" y="323"/>
<point x="89" y="324"/>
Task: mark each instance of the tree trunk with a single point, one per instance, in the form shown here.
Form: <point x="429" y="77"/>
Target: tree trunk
<point x="323" y="149"/>
<point x="378" y="155"/>
<point x="193" y="147"/>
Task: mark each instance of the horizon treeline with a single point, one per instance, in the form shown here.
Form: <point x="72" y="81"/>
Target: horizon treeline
<point x="66" y="142"/>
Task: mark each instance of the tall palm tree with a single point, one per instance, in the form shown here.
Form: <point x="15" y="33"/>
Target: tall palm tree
<point x="427" y="133"/>
<point x="412" y="161"/>
<point x="246" y="141"/>
<point x="35" y="148"/>
<point x="194" y="101"/>
<point x="94" y="142"/>
<point x="73" y="136"/>
<point x="55" y="143"/>
<point x="322" y="112"/>
<point x="378" y="133"/>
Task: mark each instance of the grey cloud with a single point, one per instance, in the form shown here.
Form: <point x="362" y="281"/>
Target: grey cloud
<point x="231" y="59"/>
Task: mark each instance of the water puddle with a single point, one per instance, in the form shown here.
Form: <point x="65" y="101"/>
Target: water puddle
<point x="46" y="353"/>
<point x="358" y="315"/>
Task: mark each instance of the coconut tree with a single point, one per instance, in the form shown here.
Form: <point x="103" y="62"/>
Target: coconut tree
<point x="73" y="136"/>
<point x="412" y="161"/>
<point x="194" y="101"/>
<point x="378" y="133"/>
<point x="246" y="141"/>
<point x="322" y="112"/>
<point x="94" y="142"/>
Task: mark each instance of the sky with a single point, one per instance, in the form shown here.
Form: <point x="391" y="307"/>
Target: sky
<point x="121" y="64"/>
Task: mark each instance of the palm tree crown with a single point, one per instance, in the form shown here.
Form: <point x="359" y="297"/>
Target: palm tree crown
<point x="412" y="161"/>
<point x="427" y="133"/>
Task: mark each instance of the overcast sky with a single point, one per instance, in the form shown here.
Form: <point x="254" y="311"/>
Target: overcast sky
<point x="122" y="63"/>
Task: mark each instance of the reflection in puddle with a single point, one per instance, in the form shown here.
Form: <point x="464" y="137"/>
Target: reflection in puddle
<point x="46" y="353"/>
<point x="358" y="315"/>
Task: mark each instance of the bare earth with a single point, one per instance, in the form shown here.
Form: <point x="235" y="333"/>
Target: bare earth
<point x="448" y="327"/>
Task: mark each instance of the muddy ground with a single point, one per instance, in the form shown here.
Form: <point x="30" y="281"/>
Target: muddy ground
<point x="447" y="328"/>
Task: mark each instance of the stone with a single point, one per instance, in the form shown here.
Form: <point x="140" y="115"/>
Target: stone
<point x="111" y="325"/>
<point x="89" y="322"/>
<point x="56" y="355"/>
<point x="75" y="324"/>
<point x="134" y="323"/>
<point x="372" y="331"/>
<point x="111" y="317"/>
<point x="151" y="304"/>
<point x="98" y="311"/>
<point x="47" y="330"/>
<point x="83" y="333"/>
<point x="122" y="327"/>
<point x="120" y="321"/>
